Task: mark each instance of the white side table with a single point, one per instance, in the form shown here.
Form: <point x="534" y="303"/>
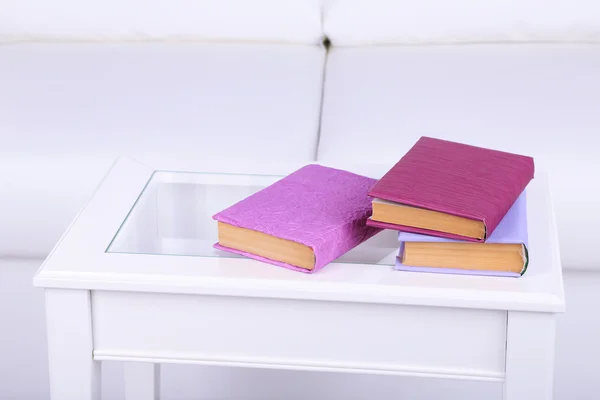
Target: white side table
<point x="135" y="279"/>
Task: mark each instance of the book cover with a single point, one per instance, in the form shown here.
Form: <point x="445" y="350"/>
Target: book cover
<point x="457" y="179"/>
<point x="512" y="229"/>
<point x="323" y="208"/>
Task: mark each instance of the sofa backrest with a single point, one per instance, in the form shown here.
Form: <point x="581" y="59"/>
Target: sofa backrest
<point x="366" y="22"/>
<point x="295" y="21"/>
<point x="344" y="22"/>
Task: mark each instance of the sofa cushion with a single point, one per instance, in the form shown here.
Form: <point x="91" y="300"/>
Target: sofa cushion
<point x="356" y="22"/>
<point x="257" y="20"/>
<point x="536" y="100"/>
<point x="67" y="111"/>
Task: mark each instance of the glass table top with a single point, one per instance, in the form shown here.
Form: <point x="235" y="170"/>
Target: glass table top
<point x="173" y="216"/>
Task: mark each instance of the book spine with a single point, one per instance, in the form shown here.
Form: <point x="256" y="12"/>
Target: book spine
<point x="341" y="239"/>
<point x="523" y="172"/>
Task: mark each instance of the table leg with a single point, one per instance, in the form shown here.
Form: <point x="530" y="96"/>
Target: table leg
<point x="530" y="356"/>
<point x="142" y="381"/>
<point x="74" y="375"/>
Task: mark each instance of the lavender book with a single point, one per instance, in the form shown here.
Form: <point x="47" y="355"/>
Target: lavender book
<point x="504" y="253"/>
<point x="302" y="222"/>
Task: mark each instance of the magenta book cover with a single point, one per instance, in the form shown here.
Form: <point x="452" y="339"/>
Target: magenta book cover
<point x="323" y="208"/>
<point x="511" y="230"/>
<point x="455" y="178"/>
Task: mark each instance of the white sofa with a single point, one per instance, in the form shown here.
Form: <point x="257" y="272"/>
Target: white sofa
<point x="217" y="83"/>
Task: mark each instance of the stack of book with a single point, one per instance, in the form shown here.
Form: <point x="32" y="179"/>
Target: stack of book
<point x="457" y="208"/>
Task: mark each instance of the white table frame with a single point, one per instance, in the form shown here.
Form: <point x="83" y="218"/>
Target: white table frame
<point x="151" y="309"/>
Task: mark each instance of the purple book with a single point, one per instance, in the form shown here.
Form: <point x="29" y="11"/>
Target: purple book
<point x="320" y="207"/>
<point x="512" y="229"/>
<point x="455" y="179"/>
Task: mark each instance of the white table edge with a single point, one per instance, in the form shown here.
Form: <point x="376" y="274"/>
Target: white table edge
<point x="299" y="365"/>
<point x="365" y="293"/>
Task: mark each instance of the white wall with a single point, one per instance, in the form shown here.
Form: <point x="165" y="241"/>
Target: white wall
<point x="24" y="370"/>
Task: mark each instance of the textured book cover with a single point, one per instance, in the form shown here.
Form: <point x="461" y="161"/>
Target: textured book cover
<point x="457" y="179"/>
<point x="323" y="208"/>
<point x="512" y="229"/>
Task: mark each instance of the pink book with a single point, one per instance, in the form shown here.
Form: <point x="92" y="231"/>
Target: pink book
<point x="323" y="208"/>
<point x="454" y="179"/>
